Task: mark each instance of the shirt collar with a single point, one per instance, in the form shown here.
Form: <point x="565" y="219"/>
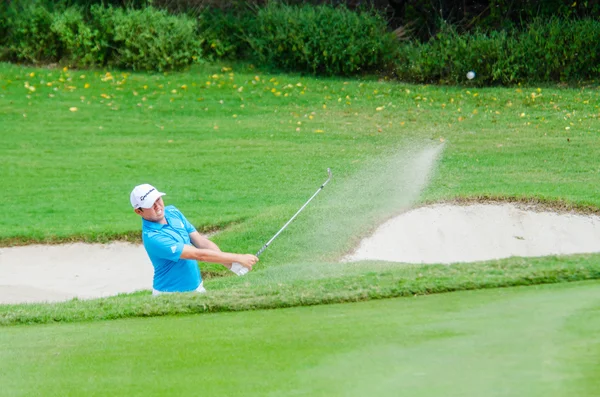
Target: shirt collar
<point x="155" y="225"/>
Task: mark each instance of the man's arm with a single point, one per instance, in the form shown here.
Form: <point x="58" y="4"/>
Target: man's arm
<point x="200" y="241"/>
<point x="224" y="258"/>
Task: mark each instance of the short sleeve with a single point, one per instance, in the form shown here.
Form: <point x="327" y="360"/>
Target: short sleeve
<point x="163" y="246"/>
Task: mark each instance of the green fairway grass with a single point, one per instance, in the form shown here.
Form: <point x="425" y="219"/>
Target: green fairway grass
<point x="239" y="151"/>
<point x="241" y="147"/>
<point x="304" y="284"/>
<point x="534" y="341"/>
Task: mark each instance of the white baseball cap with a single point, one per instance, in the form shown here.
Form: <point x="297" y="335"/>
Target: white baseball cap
<point x="144" y="196"/>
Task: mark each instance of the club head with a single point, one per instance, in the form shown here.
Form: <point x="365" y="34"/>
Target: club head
<point x="329" y="172"/>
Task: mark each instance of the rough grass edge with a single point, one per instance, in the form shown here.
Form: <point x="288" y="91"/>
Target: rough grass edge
<point x="104" y="238"/>
<point x="523" y="202"/>
<point x="395" y="283"/>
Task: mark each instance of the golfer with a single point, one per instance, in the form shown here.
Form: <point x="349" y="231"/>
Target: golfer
<point x="174" y="245"/>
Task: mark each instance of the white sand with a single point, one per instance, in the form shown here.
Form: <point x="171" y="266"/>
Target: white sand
<point x="450" y="234"/>
<point x="53" y="273"/>
<point x="435" y="234"/>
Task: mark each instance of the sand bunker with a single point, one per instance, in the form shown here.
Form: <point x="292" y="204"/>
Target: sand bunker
<point x="450" y="234"/>
<point x="52" y="273"/>
<point x="434" y="234"/>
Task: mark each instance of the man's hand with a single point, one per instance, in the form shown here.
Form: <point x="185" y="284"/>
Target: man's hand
<point x="247" y="260"/>
<point x="244" y="265"/>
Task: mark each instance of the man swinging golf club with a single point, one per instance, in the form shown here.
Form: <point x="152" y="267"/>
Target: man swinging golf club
<point x="174" y="245"/>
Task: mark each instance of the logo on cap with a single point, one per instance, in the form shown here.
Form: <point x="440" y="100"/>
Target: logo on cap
<point x="146" y="195"/>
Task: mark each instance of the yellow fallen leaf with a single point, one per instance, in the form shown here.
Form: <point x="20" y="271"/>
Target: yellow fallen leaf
<point x="73" y="109"/>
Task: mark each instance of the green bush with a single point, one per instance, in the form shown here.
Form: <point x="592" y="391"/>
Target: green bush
<point x="31" y="38"/>
<point x="559" y="50"/>
<point x="320" y="39"/>
<point x="547" y="50"/>
<point x="151" y="39"/>
<point x="448" y="57"/>
<point x="220" y="32"/>
<point x="79" y="43"/>
<point x="102" y="24"/>
<point x="147" y="39"/>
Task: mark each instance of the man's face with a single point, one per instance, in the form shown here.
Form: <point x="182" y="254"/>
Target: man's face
<point x="156" y="213"/>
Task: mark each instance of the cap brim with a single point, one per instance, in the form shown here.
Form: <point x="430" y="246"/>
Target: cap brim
<point x="151" y="199"/>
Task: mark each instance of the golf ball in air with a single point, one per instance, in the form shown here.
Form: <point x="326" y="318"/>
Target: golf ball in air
<point x="471" y="75"/>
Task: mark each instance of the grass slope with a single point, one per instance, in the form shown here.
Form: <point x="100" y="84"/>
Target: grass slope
<point x="535" y="341"/>
<point x="313" y="284"/>
<point x="237" y="146"/>
<point x="241" y="150"/>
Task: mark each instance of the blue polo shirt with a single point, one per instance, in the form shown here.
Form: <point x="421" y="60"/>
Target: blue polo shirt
<point x="164" y="245"/>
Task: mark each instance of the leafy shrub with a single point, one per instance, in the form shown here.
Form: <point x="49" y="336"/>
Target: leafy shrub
<point x="547" y="50"/>
<point x="149" y="39"/>
<point x="102" y="24"/>
<point x="79" y="43"/>
<point x="30" y="36"/>
<point x="220" y="32"/>
<point x="449" y="56"/>
<point x="320" y="39"/>
<point x="559" y="50"/>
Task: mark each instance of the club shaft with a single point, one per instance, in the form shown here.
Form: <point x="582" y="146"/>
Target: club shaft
<point x="264" y="247"/>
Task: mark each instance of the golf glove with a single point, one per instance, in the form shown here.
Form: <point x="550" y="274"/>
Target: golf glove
<point x="238" y="269"/>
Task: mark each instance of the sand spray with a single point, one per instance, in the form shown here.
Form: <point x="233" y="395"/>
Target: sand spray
<point x="351" y="208"/>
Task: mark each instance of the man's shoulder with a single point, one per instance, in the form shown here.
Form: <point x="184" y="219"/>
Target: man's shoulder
<point x="151" y="233"/>
<point x="172" y="209"/>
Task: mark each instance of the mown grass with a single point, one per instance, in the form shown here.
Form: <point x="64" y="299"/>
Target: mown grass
<point x="535" y="341"/>
<point x="242" y="153"/>
<point x="314" y="284"/>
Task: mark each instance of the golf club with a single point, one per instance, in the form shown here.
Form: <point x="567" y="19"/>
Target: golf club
<point x="241" y="270"/>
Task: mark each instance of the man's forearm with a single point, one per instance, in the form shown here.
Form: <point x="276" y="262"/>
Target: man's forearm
<point x="208" y="255"/>
<point x="202" y="242"/>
